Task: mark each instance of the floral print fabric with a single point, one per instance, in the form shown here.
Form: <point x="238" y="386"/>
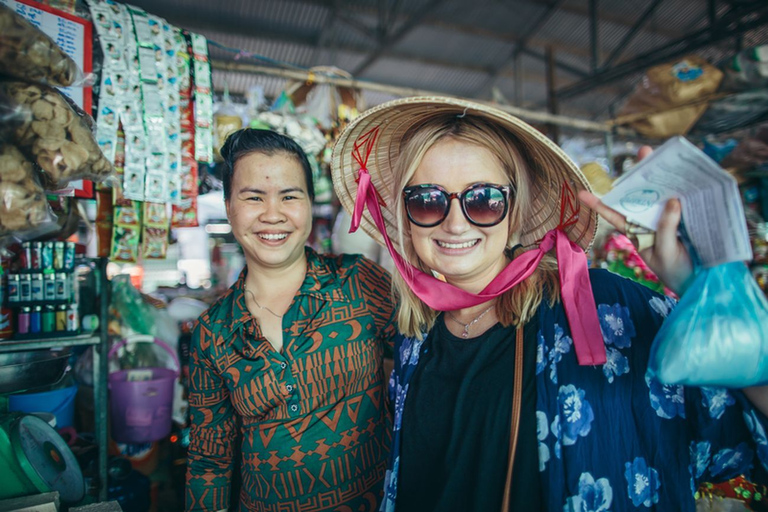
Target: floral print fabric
<point x="611" y="438"/>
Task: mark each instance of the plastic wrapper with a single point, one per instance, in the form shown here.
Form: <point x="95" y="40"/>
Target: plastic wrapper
<point x="57" y="137"/>
<point x="720" y="504"/>
<point x="138" y="315"/>
<point x="23" y="204"/>
<point x="750" y="153"/>
<point x="746" y="70"/>
<point x="27" y="53"/>
<point x="12" y="115"/>
<point x="716" y="336"/>
<point x="226" y="120"/>
<point x="664" y="89"/>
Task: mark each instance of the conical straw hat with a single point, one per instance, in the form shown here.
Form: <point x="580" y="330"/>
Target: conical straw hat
<point x="395" y="118"/>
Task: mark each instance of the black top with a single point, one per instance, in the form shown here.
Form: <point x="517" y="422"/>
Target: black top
<point x="456" y="425"/>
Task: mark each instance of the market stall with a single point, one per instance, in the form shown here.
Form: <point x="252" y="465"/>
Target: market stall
<point x="114" y="236"/>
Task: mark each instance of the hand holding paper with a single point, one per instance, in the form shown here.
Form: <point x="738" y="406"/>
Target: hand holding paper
<point x="666" y="256"/>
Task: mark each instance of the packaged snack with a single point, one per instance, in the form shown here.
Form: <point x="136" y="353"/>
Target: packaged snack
<point x="12" y="116"/>
<point x="13" y="166"/>
<point x="125" y="244"/>
<point x="57" y="137"/>
<point x="185" y="215"/>
<point x="23" y="205"/>
<point x="154" y="244"/>
<point x="27" y="53"/>
<point x="154" y="239"/>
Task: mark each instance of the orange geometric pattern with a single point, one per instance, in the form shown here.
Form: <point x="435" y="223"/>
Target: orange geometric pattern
<point x="312" y="428"/>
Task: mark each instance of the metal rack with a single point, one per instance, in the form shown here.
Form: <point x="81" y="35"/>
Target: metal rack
<point x="100" y="369"/>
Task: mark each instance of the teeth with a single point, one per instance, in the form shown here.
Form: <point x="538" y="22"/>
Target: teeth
<point x="271" y="236"/>
<point x="463" y="245"/>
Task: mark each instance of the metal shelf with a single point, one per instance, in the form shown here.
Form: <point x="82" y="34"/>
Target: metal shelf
<point x="42" y="343"/>
<point x="99" y="340"/>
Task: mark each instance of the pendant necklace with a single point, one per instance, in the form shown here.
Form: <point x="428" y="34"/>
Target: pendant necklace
<point x="466" y="327"/>
<point x="264" y="308"/>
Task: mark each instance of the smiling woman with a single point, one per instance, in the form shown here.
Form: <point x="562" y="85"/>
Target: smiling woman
<point x="520" y="381"/>
<point x="290" y="355"/>
<point x="270" y="209"/>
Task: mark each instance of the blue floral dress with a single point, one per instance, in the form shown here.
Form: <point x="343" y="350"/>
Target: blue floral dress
<point x="611" y="438"/>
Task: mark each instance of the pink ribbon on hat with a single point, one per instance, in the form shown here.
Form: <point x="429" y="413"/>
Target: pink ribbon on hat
<point x="575" y="287"/>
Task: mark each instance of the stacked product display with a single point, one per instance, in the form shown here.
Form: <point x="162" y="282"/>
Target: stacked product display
<point x="43" y="293"/>
<point x="154" y="122"/>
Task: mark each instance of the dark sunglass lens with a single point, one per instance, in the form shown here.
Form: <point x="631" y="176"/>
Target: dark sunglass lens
<point x="485" y="205"/>
<point x="426" y="206"/>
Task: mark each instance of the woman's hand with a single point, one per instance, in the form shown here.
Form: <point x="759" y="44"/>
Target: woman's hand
<point x="667" y="257"/>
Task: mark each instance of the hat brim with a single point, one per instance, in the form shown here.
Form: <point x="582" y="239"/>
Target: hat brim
<point x="397" y="117"/>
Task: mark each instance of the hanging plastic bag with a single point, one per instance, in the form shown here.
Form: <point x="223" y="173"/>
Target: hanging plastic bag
<point x="58" y="136"/>
<point x="226" y="120"/>
<point x="27" y="53"/>
<point x="718" y="333"/>
<point x="12" y="116"/>
<point x="24" y="210"/>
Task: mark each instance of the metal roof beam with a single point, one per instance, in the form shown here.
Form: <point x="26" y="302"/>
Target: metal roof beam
<point x="390" y="40"/>
<point x="575" y="8"/>
<point x="326" y="32"/>
<point x="212" y="21"/>
<point x="594" y="59"/>
<point x="520" y="44"/>
<point x="582" y="9"/>
<point x="558" y="64"/>
<point x="630" y="35"/>
<point x="359" y="26"/>
<point x="733" y="24"/>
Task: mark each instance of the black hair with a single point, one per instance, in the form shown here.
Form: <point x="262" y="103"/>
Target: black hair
<point x="249" y="140"/>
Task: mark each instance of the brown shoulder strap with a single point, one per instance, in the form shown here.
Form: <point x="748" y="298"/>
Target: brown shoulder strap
<point x="517" y="399"/>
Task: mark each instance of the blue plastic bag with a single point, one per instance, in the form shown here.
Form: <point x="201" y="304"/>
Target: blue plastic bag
<point x="718" y="333"/>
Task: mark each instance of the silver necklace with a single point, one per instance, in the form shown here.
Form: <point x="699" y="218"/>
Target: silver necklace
<point x="259" y="305"/>
<point x="466" y="327"/>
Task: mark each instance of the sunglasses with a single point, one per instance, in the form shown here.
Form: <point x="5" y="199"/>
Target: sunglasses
<point x="483" y="204"/>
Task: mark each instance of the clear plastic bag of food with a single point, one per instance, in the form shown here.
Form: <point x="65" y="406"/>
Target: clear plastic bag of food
<point x="12" y="115"/>
<point x="24" y="209"/>
<point x="58" y="136"/>
<point x="28" y="53"/>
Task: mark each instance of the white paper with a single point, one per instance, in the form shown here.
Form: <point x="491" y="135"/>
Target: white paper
<point x="712" y="210"/>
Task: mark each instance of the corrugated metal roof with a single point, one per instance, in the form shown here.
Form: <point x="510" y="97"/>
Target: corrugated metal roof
<point x="465" y="50"/>
<point x="452" y="46"/>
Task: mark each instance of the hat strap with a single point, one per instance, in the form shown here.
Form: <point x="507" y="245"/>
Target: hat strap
<point x="575" y="287"/>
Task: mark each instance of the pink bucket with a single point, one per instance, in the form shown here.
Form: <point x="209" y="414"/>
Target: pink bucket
<point x="141" y="409"/>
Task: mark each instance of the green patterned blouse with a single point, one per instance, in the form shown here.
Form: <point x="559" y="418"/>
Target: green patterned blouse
<point x="311" y="421"/>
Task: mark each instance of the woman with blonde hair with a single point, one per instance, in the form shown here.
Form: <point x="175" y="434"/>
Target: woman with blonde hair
<point x="520" y="380"/>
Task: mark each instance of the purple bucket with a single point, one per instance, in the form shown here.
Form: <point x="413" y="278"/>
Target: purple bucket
<point x="141" y="409"/>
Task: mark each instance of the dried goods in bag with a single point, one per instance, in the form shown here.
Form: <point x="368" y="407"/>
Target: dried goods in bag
<point x="12" y="116"/>
<point x="23" y="205"/>
<point x="57" y="137"/>
<point x="28" y="53"/>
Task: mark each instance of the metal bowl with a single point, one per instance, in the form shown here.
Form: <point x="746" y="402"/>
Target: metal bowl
<point x="22" y="371"/>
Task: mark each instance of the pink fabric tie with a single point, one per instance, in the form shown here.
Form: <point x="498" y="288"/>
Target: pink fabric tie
<point x="575" y="287"/>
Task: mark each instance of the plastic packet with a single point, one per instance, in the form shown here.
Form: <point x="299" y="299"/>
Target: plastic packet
<point x="140" y="316"/>
<point x="12" y="115"/>
<point x="716" y="336"/>
<point x="28" y="53"/>
<point x="320" y="103"/>
<point x="23" y="204"/>
<point x="58" y="137"/>
<point x="226" y="120"/>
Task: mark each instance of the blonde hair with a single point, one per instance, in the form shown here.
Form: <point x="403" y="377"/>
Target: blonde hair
<point x="516" y="306"/>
